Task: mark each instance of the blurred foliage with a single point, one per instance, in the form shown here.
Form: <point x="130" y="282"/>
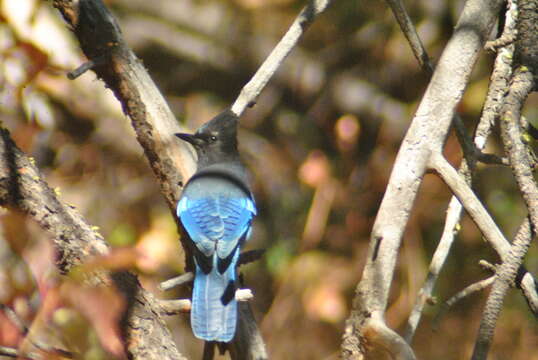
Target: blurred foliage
<point x="320" y="144"/>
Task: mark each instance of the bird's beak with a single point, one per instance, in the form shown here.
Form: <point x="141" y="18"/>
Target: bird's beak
<point x="190" y="138"/>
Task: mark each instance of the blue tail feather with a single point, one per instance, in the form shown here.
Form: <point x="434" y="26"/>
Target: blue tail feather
<point x="211" y="318"/>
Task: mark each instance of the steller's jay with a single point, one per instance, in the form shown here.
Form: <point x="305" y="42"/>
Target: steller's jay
<point x="216" y="211"/>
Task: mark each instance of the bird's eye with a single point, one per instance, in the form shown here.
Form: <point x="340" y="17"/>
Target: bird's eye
<point x="213" y="138"/>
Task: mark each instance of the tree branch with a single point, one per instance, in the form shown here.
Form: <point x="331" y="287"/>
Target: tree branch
<point x="481" y="218"/>
<point x="469" y="290"/>
<point x="112" y="61"/>
<point x="505" y="278"/>
<point x="401" y="15"/>
<point x="254" y="87"/>
<point x="499" y="80"/>
<point x="100" y="37"/>
<point x="523" y="82"/>
<point x="22" y="187"/>
<point x="380" y="336"/>
<point x="427" y="133"/>
<point x="174" y="307"/>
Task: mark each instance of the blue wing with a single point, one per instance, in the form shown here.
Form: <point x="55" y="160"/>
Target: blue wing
<point x="217" y="225"/>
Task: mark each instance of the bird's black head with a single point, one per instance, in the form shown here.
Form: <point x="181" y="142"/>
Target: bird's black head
<point x="216" y="140"/>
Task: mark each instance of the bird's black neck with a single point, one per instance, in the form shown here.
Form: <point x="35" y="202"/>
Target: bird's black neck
<point x="212" y="158"/>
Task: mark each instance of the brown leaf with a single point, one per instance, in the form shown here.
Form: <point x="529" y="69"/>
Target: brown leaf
<point x="103" y="307"/>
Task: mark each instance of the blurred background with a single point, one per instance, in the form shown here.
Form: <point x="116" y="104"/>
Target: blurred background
<point x="320" y="144"/>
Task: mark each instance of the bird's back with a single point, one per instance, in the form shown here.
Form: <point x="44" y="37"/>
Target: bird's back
<point x="216" y="210"/>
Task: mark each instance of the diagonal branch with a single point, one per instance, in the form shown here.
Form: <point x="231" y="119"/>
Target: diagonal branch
<point x="499" y="81"/>
<point x="523" y="83"/>
<point x="22" y="187"/>
<point x="172" y="161"/>
<point x="101" y="41"/>
<point x="254" y="87"/>
<point x="469" y="290"/>
<point x="110" y="58"/>
<point x="504" y="279"/>
<point x="401" y="15"/>
<point x="427" y="133"/>
<point x="483" y="220"/>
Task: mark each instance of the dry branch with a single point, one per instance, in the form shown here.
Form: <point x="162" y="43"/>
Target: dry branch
<point x="254" y="87"/>
<point x="504" y="279"/>
<point x="22" y="187"/>
<point x="485" y="223"/>
<point x="426" y="134"/>
<point x="401" y="15"/>
<point x="174" y="307"/>
<point x="472" y="151"/>
<point x="113" y="62"/>
<point x="172" y="161"/>
<point x="469" y="290"/>
<point x="522" y="84"/>
<point x="378" y="335"/>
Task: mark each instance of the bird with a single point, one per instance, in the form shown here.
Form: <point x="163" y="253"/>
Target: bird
<point x="216" y="209"/>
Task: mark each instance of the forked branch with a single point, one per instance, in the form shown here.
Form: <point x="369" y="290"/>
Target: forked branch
<point x="428" y="131"/>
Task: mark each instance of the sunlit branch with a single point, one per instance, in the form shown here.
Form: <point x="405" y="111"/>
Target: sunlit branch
<point x="246" y="257"/>
<point x="427" y="133"/>
<point x="176" y="281"/>
<point x="173" y="307"/>
<point x="522" y="84"/>
<point x="473" y="152"/>
<point x="380" y="336"/>
<point x="479" y="214"/>
<point x="504" y="279"/>
<point x="254" y="87"/>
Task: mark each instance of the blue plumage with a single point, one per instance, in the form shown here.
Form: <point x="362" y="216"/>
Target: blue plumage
<point x="216" y="210"/>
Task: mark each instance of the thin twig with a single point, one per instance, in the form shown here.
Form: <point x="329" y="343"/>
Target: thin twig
<point x="254" y="87"/>
<point x="14" y="318"/>
<point x="245" y="258"/>
<point x="469" y="290"/>
<point x="480" y="216"/>
<point x="176" y="281"/>
<point x="472" y="150"/>
<point x="471" y="203"/>
<point x="174" y="307"/>
<point x="398" y="9"/>
<point x="426" y="134"/>
<point x="504" y="279"/>
<point x="250" y="256"/>
<point x="486" y="265"/>
<point x="88" y="65"/>
<point x="522" y="84"/>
